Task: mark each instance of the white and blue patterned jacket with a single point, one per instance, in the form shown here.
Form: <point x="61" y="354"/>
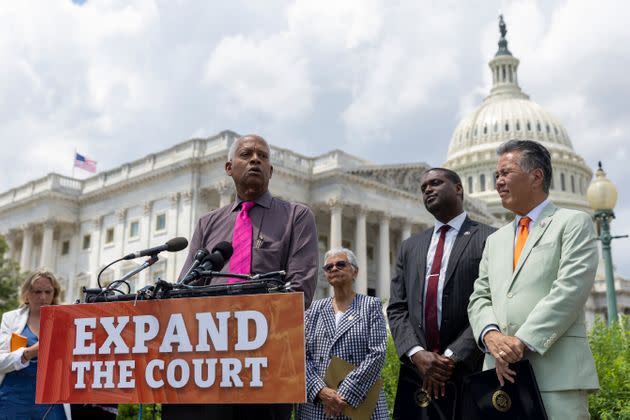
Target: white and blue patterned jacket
<point x="360" y="338"/>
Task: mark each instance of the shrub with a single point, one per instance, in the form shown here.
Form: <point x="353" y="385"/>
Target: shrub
<point x="611" y="350"/>
<point x="130" y="411"/>
<point x="390" y="374"/>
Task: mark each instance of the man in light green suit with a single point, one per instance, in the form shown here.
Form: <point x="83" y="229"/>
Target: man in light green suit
<point x="534" y="278"/>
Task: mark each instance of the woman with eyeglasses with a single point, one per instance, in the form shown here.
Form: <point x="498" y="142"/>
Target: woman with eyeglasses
<point x="351" y="327"/>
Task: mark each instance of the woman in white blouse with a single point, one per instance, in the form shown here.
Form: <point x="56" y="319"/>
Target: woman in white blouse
<point x="18" y="368"/>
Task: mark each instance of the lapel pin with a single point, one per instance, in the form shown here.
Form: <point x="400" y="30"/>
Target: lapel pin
<point x="467" y="233"/>
<point x="351" y="317"/>
<point x="542" y="224"/>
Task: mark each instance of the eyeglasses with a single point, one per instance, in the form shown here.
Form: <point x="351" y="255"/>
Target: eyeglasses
<point x="340" y="265"/>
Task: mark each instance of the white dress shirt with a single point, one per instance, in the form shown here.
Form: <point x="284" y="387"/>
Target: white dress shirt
<point x="449" y="239"/>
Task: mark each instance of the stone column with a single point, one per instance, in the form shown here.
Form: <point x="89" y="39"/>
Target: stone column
<point x="119" y="240"/>
<point x="384" y="270"/>
<point x="336" y="209"/>
<point x="145" y="238"/>
<point x="95" y="250"/>
<point x="47" y="245"/>
<point x="406" y="230"/>
<point x="185" y="217"/>
<point x="360" y="247"/>
<point x="11" y="241"/>
<point x="27" y="248"/>
<point x="173" y="259"/>
<point x="73" y="292"/>
<point x="226" y="191"/>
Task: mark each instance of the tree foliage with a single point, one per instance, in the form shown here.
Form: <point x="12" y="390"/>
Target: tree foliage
<point x="611" y="350"/>
<point x="9" y="279"/>
<point x="390" y="374"/>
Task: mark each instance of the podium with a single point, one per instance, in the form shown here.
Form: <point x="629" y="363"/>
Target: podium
<point x="213" y="349"/>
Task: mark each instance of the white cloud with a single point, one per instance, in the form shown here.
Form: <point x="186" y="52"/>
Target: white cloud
<point x="336" y="25"/>
<point x="267" y="76"/>
<point x="120" y="79"/>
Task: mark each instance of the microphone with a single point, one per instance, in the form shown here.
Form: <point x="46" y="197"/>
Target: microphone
<point x="214" y="262"/>
<point x="200" y="256"/>
<point x="173" y="245"/>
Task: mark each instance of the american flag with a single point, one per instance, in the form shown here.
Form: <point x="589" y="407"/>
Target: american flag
<point x="82" y="162"/>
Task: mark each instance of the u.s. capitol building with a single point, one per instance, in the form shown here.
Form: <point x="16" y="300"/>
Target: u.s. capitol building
<point x="76" y="227"/>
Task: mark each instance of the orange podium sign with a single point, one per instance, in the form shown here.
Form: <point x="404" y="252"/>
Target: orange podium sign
<point x="226" y="349"/>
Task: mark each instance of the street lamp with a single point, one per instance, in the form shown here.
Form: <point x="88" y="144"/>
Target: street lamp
<point x="602" y="197"/>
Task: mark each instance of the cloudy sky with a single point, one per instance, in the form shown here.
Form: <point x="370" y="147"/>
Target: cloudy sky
<point x="385" y="80"/>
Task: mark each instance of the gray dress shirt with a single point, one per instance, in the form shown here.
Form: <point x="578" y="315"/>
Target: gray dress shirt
<point x="284" y="238"/>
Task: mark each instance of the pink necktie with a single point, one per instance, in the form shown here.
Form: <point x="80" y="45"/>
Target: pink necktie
<point x="241" y="261"/>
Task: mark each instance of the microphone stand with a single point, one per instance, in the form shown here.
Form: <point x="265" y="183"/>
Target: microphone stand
<point x="113" y="286"/>
<point x="148" y="263"/>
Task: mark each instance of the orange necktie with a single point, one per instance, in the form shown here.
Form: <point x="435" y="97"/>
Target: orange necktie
<point x="521" y="237"/>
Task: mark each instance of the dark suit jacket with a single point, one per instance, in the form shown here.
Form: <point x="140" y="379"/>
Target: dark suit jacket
<point x="406" y="308"/>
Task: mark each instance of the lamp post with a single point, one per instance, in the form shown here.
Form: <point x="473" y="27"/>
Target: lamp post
<point x="602" y="197"/>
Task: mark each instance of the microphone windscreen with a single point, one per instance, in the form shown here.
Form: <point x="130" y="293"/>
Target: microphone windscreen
<point x="201" y="254"/>
<point x="176" y="244"/>
<point x="224" y="248"/>
<point x="214" y="262"/>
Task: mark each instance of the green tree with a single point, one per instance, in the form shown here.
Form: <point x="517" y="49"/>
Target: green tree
<point x="390" y="374"/>
<point x="130" y="411"/>
<point x="611" y="350"/>
<point x="9" y="279"/>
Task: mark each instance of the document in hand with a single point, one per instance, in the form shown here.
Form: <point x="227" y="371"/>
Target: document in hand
<point x="337" y="370"/>
<point x="17" y="341"/>
<point x="484" y="398"/>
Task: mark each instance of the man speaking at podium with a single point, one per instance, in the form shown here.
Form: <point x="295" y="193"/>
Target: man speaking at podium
<point x="267" y="234"/>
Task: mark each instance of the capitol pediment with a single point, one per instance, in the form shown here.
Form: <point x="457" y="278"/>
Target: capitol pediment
<point x="405" y="177"/>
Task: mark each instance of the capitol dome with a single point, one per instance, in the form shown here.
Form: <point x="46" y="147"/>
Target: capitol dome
<point x="508" y="113"/>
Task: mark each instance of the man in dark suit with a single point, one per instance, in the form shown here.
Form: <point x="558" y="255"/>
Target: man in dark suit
<point x="435" y="273"/>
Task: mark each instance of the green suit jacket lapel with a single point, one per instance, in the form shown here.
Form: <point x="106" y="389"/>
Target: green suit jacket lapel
<point x="539" y="228"/>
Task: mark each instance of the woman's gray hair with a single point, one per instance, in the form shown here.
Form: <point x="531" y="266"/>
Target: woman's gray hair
<point x="352" y="259"/>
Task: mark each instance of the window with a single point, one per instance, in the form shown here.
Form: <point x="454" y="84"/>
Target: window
<point x="551" y="187"/>
<point x="572" y="184"/>
<point x="470" y="185"/>
<point x="134" y="229"/>
<point x="160" y="222"/>
<point x="109" y="235"/>
<point x="563" y="186"/>
<point x="548" y="129"/>
<point x="65" y="247"/>
<point x="538" y="127"/>
<point x="485" y="129"/>
<point x="482" y="182"/>
<point x="529" y="126"/>
<point x="507" y="127"/>
<point x="86" y="241"/>
<point x="518" y="126"/>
